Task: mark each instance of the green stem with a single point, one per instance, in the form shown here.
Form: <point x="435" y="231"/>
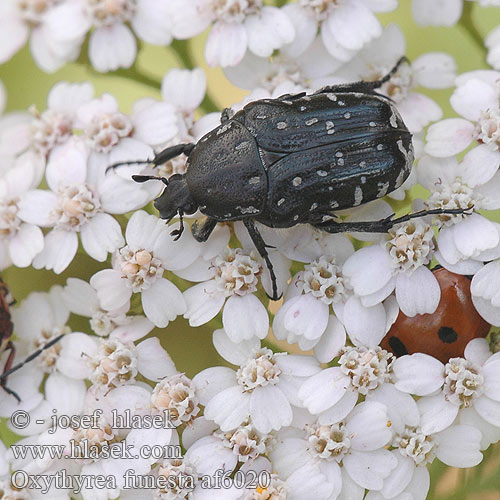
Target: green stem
<point x="134" y="74"/>
<point x="467" y="22"/>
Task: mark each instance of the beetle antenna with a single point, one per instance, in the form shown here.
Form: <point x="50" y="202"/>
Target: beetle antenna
<point x="144" y="178"/>
<point x="131" y="162"/>
<point x="178" y="232"/>
<point x="32" y="356"/>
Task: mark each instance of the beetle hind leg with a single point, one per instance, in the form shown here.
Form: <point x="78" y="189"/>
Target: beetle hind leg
<point x="384" y="225"/>
<point x="363" y="86"/>
<point x="262" y="249"/>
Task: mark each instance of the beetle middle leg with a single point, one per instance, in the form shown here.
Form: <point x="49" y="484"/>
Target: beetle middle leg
<point x="262" y="249"/>
<point x="384" y="225"/>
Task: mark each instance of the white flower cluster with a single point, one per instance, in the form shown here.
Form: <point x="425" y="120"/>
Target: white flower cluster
<point x="373" y="364"/>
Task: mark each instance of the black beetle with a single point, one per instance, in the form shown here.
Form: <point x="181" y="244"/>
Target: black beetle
<point x="6" y="330"/>
<point x="291" y="160"/>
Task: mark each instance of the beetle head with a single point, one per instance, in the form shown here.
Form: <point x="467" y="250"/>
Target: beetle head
<point x="175" y="198"/>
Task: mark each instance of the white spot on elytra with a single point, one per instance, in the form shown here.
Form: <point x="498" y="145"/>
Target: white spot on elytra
<point x="280" y="202"/>
<point x="362" y="163"/>
<point x="303" y="108"/>
<point x="393" y="120"/>
<point x="383" y="187"/>
<point x="322" y="173"/>
<point x="329" y="127"/>
<point x="341" y="103"/>
<point x="247" y="210"/>
<point x="288" y="102"/>
<point x="363" y="179"/>
<point x="314" y="206"/>
<point x="297" y="181"/>
<point x="254" y="180"/>
<point x="400" y="178"/>
<point x="331" y="96"/>
<point x="380" y="147"/>
<point x="347" y="115"/>
<point x="334" y="204"/>
<point x="358" y="196"/>
<point x="242" y="145"/>
<point x="261" y="117"/>
<point x="372" y="124"/>
<point x="339" y="154"/>
<point x="341" y="162"/>
<point x="310" y="122"/>
<point x="281" y="125"/>
<point x="295" y="217"/>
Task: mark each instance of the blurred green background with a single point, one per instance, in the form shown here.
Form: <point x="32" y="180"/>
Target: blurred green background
<point x="191" y="348"/>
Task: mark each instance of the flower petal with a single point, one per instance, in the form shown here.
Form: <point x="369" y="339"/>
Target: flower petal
<point x="163" y="302"/>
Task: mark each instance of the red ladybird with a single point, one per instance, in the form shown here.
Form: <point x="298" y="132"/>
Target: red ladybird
<point x="444" y="333"/>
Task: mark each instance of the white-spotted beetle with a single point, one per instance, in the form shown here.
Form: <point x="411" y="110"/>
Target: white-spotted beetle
<point x="291" y="160"/>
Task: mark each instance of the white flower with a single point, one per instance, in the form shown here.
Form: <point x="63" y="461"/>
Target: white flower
<point x="346" y="26"/>
<point x="462" y="383"/>
<point x="115" y="361"/>
<point x="16" y="19"/>
<point x="176" y="393"/>
<point x="139" y="265"/>
<point x="398" y="263"/>
<point x="39" y="318"/>
<point x="304" y="316"/>
<point x="476" y="98"/>
<point x="492" y="42"/>
<point x="333" y="392"/>
<point x="484" y="291"/>
<point x="55" y="125"/>
<point x="112" y="44"/>
<point x="237" y="25"/>
<point x="283" y="73"/>
<point x="437" y="12"/>
<point x="80" y="298"/>
<point x="263" y="388"/>
<point x="414" y="447"/>
<point x="79" y="196"/>
<point x="20" y="241"/>
<point x="236" y="278"/>
<point x="312" y="459"/>
<point x="471" y="183"/>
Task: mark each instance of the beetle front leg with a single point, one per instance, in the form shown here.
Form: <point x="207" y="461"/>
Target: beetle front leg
<point x="201" y="232"/>
<point x="384" y="225"/>
<point x="8" y="365"/>
<point x="262" y="249"/>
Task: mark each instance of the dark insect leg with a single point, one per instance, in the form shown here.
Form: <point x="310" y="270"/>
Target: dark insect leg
<point x="202" y="232"/>
<point x="161" y="157"/>
<point x="144" y="178"/>
<point x="7" y="368"/>
<point x="382" y="226"/>
<point x="31" y="357"/>
<point x="178" y="232"/>
<point x="262" y="248"/>
<point x="362" y="86"/>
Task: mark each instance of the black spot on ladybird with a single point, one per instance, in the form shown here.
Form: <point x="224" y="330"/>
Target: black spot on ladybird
<point x="397" y="346"/>
<point x="447" y="334"/>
